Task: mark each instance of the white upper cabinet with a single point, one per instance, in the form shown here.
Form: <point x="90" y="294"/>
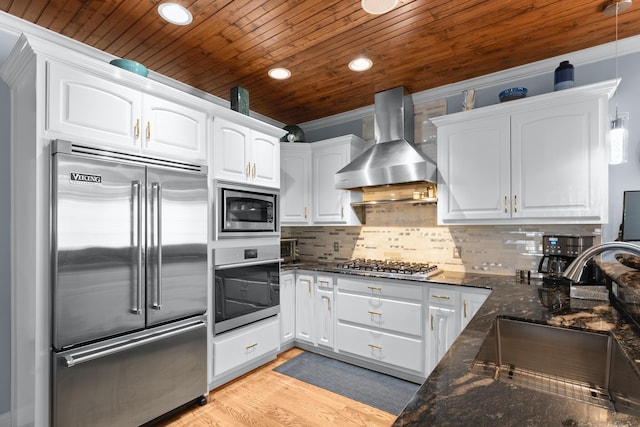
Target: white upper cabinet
<point x="309" y="195"/>
<point x="536" y="160"/>
<point x="93" y="109"/>
<point x="245" y="155"/>
<point x="295" y="183"/>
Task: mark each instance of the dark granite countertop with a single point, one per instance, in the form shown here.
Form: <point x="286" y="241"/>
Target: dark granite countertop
<point x="455" y="396"/>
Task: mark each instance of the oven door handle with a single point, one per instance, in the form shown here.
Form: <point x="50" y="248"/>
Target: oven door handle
<point x="247" y="264"/>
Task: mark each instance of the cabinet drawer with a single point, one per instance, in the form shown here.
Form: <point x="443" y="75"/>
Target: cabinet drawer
<point x="441" y="296"/>
<point x="382" y="347"/>
<point x="235" y="348"/>
<point x="381" y="289"/>
<point x="398" y="316"/>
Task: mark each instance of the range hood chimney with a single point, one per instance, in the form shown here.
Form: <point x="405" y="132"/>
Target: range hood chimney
<point x="394" y="159"/>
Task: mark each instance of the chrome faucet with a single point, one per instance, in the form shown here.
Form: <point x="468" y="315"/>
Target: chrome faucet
<point x="574" y="270"/>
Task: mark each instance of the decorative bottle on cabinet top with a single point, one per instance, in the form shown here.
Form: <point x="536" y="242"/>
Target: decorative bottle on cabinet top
<point x="563" y="78"/>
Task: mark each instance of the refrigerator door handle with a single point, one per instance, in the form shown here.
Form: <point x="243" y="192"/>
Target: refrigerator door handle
<point x="137" y="309"/>
<point x="87" y="356"/>
<point x="157" y="189"/>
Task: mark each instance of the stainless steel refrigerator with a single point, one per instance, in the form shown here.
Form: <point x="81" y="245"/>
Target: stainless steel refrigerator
<point x="129" y="295"/>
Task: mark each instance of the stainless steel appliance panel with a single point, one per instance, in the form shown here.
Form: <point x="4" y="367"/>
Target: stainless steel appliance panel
<point x="246" y="285"/>
<point x="245" y="211"/>
<point x="177" y="245"/>
<point x="98" y="249"/>
<point x="128" y="382"/>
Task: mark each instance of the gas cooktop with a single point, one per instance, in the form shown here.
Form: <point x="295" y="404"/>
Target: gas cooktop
<point x="391" y="269"/>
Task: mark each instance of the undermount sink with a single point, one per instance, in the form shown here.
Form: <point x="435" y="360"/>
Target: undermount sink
<point x="586" y="366"/>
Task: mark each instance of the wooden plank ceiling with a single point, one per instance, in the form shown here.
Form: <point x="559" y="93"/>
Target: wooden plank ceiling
<point x="421" y="44"/>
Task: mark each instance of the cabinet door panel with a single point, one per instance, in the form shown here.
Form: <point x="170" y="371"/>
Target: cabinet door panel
<point x="397" y="316"/>
<point x="265" y="154"/>
<point x="329" y="203"/>
<point x="304" y="308"/>
<point x="474" y="164"/>
<point x="295" y="181"/>
<point x="551" y="161"/>
<point x="92" y="108"/>
<point x="231" y="150"/>
<point x="387" y="348"/>
<point x="174" y="130"/>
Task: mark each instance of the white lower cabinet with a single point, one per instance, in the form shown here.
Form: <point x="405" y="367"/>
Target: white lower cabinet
<point x="287" y="307"/>
<point x="324" y="312"/>
<point x="382" y="321"/>
<point x="399" y="351"/>
<point x="239" y="347"/>
<point x="470" y="302"/>
<point x="398" y="327"/>
<point x="304" y="307"/>
<point x="441" y="334"/>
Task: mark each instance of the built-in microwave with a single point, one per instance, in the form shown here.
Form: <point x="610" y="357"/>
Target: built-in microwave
<point x="246" y="211"/>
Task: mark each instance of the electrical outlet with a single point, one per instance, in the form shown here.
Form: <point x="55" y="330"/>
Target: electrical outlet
<point x="336" y="246"/>
<point x="457" y="251"/>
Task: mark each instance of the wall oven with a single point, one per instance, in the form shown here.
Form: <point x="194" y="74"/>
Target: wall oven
<point x="246" y="285"/>
<point x="246" y="211"/>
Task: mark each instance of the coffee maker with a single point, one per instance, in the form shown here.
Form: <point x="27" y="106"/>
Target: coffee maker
<point x="558" y="252"/>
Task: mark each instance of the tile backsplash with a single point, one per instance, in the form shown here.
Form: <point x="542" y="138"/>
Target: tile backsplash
<point x="410" y="233"/>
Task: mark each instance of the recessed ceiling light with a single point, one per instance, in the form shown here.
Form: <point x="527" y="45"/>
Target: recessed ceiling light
<point x="174" y="13"/>
<point x="378" y="7"/>
<point x="360" y="64"/>
<point x="279" y="73"/>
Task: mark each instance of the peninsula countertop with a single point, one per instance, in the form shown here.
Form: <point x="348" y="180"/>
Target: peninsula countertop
<point x="453" y="395"/>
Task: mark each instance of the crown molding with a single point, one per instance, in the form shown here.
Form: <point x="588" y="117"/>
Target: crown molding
<point x="586" y="56"/>
<point x="15" y="26"/>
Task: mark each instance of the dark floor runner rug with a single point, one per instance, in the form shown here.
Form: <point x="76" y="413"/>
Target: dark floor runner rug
<point x="381" y="391"/>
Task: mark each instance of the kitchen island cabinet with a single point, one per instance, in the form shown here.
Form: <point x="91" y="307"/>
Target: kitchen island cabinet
<point x="529" y="161"/>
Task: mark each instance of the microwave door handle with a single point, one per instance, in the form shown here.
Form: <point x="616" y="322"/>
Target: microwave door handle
<point x="136" y="213"/>
<point x="247" y="264"/>
<point x="157" y="189"/>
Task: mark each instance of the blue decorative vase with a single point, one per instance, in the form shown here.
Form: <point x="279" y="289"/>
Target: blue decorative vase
<point x="563" y="76"/>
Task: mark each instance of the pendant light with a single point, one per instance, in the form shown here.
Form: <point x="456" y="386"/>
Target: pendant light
<point x="618" y="135"/>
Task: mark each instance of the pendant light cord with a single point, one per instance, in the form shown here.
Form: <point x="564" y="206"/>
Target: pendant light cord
<point x="616" y="59"/>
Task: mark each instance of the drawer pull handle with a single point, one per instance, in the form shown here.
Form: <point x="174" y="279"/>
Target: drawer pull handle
<point x="148" y="131"/>
<point x="515" y="204"/>
<point x="465" y="309"/>
<point x="254" y="171"/>
<point x="374" y="313"/>
<point x="506" y="205"/>
<point x="248" y="169"/>
<point x="432" y="322"/>
<point x="376" y="347"/>
<point x="374" y="289"/>
<point x="440" y="296"/>
<point x="324" y="282"/>
<point x="305" y="212"/>
<point x="249" y="347"/>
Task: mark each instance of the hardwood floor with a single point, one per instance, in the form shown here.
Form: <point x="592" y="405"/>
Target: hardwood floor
<point x="264" y="397"/>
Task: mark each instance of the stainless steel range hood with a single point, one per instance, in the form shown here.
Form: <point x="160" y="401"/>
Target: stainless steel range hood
<point x="394" y="159"/>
